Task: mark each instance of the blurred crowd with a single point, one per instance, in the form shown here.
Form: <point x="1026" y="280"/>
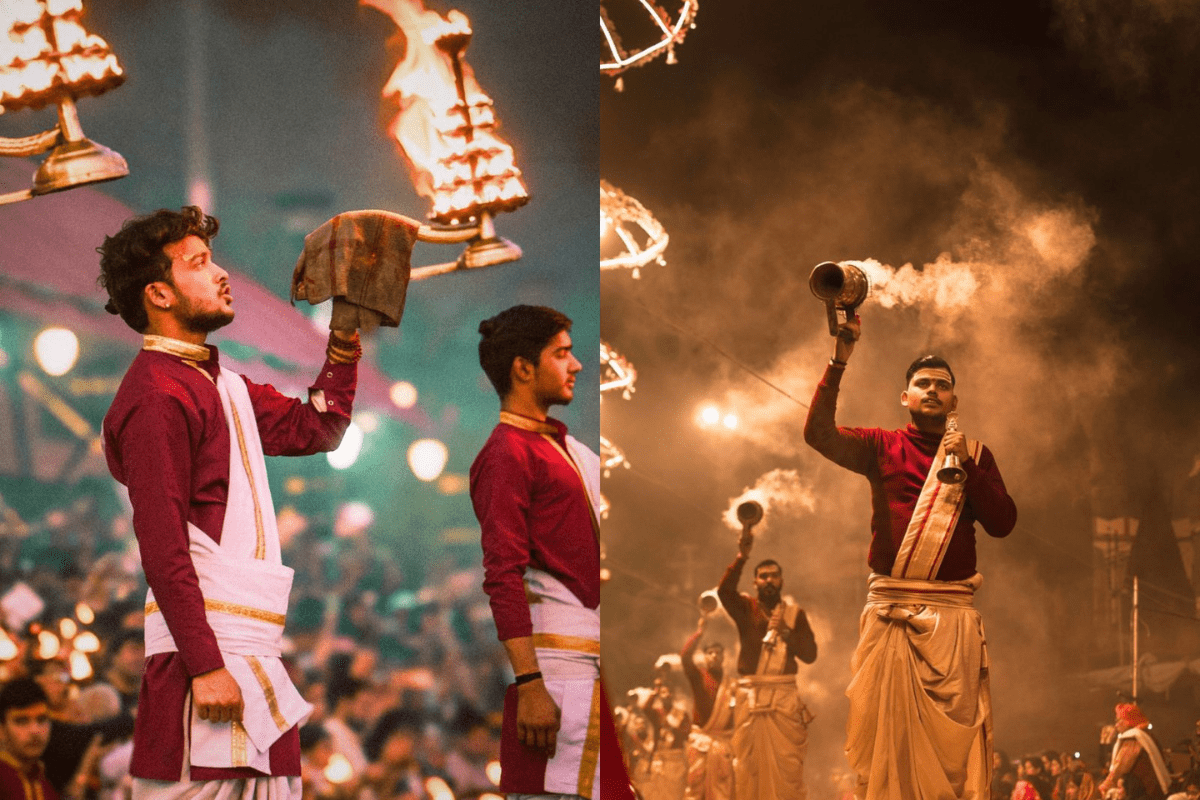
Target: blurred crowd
<point x="405" y="676"/>
<point x="666" y="750"/>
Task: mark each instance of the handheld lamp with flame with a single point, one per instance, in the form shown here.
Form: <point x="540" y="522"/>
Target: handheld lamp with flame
<point x="47" y="57"/>
<point x="446" y="130"/>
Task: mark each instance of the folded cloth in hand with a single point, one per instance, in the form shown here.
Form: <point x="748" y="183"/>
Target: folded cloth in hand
<point x="363" y="259"/>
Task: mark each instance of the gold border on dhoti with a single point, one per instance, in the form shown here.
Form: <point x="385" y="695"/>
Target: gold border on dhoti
<point x="222" y="607"/>
<point x="237" y="740"/>
<point x="264" y="681"/>
<point x="590" y="758"/>
<point x="560" y="641"/>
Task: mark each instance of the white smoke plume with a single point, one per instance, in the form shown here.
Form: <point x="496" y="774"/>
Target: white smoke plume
<point x="779" y="492"/>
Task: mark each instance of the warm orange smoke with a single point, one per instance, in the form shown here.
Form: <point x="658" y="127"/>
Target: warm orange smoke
<point x="45" y="52"/>
<point x="454" y="154"/>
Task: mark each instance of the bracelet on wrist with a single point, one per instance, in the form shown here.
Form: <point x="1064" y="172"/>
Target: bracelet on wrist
<point x="528" y="677"/>
<point x="834" y="362"/>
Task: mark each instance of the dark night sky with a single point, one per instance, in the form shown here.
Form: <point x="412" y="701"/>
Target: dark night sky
<point x="1042" y="149"/>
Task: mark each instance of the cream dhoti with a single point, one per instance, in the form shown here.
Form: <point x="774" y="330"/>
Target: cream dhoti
<point x="770" y="738"/>
<point x="920" y="707"/>
<point x="245" y="588"/>
<point x="566" y="635"/>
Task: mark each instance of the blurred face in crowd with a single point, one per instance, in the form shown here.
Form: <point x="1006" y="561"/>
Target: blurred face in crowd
<point x="27" y="732"/>
<point x="55" y="681"/>
<point x="130" y="660"/>
<point x="398" y="749"/>
<point x="714" y="656"/>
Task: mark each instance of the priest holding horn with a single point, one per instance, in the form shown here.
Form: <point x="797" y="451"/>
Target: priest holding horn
<point x="920" y="708"/>
<point x="770" y="721"/>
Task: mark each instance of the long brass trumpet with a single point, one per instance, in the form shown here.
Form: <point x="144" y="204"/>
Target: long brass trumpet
<point x="842" y="287"/>
<point x="951" y="471"/>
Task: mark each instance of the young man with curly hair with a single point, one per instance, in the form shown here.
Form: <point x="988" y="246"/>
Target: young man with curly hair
<point x="217" y="713"/>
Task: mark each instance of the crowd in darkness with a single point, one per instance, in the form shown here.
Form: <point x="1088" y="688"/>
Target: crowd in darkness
<point x="406" y="677"/>
<point x="656" y="724"/>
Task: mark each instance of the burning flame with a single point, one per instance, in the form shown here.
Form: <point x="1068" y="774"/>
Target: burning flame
<point x="446" y="124"/>
<point x="45" y="51"/>
<point x="780" y="490"/>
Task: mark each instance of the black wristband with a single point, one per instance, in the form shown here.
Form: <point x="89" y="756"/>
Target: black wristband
<point x="528" y="677"/>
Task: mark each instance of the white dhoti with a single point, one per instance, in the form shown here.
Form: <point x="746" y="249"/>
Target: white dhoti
<point x="920" y="708"/>
<point x="770" y="738"/>
<point x="567" y="640"/>
<point x="281" y="787"/>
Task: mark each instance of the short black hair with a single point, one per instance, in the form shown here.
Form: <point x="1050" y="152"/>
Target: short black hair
<point x="133" y="258"/>
<point x="518" y="331"/>
<point x="767" y="562"/>
<point x="927" y="362"/>
<point x="20" y="693"/>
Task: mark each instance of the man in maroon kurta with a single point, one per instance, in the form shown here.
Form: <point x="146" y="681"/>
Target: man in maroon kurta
<point x="896" y="463"/>
<point x="166" y="438"/>
<point x="531" y="493"/>
<point x="24" y="734"/>
<point x="909" y="621"/>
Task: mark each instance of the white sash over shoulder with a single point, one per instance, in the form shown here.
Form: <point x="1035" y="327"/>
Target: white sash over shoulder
<point x="246" y="588"/>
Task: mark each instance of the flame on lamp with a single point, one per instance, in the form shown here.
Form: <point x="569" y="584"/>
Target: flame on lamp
<point x="47" y="52"/>
<point x="446" y="125"/>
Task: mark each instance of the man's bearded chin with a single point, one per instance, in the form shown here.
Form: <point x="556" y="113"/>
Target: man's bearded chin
<point x="206" y="322"/>
<point x="768" y="594"/>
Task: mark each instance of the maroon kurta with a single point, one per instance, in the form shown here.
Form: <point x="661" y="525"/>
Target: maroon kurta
<point x="533" y="512"/>
<point x="166" y="438"/>
<point x="752" y="622"/>
<point x="16" y="784"/>
<point x="704" y="683"/>
<point x="896" y="464"/>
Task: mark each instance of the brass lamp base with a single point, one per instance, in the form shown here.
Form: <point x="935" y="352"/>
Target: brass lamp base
<point x="488" y="252"/>
<point x="78" y="163"/>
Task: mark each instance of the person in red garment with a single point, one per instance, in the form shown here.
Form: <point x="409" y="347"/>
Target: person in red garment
<point x="920" y="706"/>
<point x="535" y="491"/>
<point x="217" y="713"/>
<point x="24" y="734"/>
